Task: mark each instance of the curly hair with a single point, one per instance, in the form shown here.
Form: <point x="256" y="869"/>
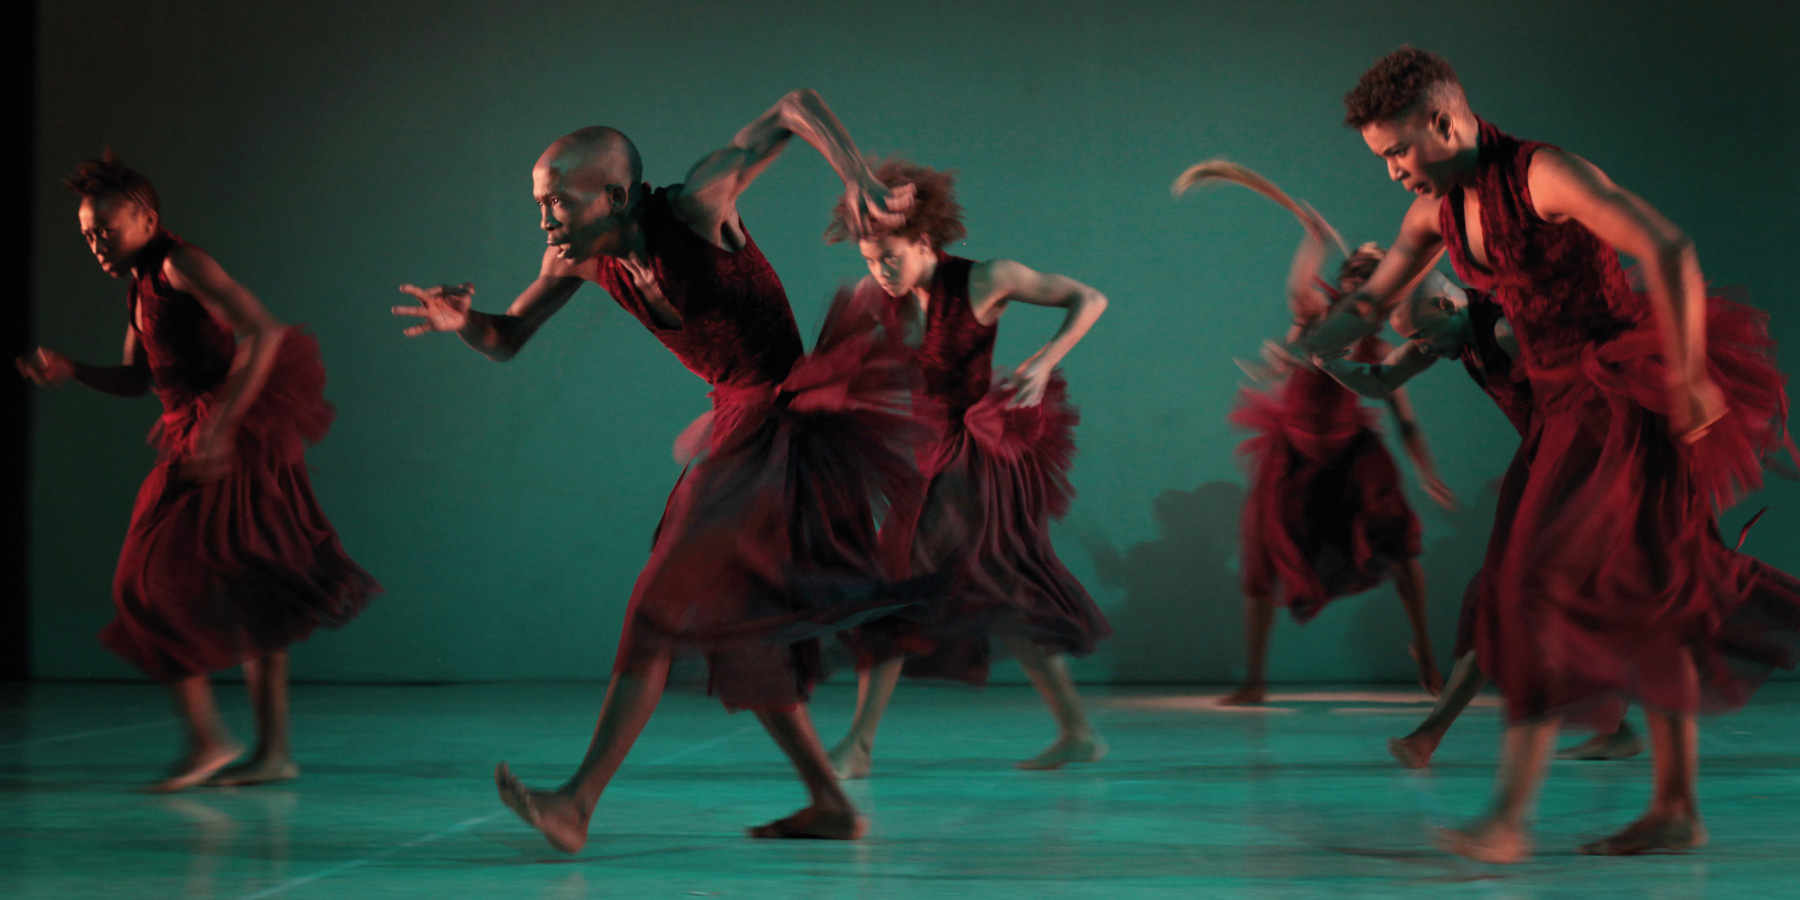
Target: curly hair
<point x="935" y="214"/>
<point x="1399" y="84"/>
<point x="110" y="177"/>
<point x="1358" y="266"/>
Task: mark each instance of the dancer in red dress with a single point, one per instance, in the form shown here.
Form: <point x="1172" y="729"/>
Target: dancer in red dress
<point x="1605" y="577"/>
<point x="768" y="539"/>
<point x="228" y="559"/>
<point x="1443" y="321"/>
<point x="994" y="476"/>
<point x="1324" y="517"/>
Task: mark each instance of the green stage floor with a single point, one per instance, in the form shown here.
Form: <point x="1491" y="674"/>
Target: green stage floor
<point x="1300" y="800"/>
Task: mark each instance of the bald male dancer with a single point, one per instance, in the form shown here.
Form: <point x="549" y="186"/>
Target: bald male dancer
<point x="771" y="526"/>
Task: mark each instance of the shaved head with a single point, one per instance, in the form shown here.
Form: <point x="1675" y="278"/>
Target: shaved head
<point x="589" y="190"/>
<point x="595" y="157"/>
<point x="1433" y="316"/>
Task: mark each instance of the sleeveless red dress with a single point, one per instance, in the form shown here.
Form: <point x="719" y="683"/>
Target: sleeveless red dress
<point x="216" y="573"/>
<point x="1605" y="578"/>
<point x="993" y="479"/>
<point x="1324" y="517"/>
<point x="768" y="539"/>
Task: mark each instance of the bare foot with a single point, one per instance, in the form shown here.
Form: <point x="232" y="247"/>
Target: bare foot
<point x="196" y="767"/>
<point x="1075" y="749"/>
<point x="259" y="770"/>
<point x="562" y="821"/>
<point x="1429" y="679"/>
<point x="851" y="760"/>
<point x="1487" y="842"/>
<point x="1621" y="744"/>
<point x="1248" y="695"/>
<point x="1414" y="751"/>
<point x="1649" y="834"/>
<point x="815" y="822"/>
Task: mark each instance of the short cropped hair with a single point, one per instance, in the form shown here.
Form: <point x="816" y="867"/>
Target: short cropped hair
<point x="109" y="177"/>
<point x="1400" y="84"/>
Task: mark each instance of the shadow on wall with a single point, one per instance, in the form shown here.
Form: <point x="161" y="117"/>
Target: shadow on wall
<point x="1380" y="632"/>
<point x="1182" y="619"/>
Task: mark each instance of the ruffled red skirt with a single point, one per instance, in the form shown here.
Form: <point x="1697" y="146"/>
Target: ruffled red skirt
<point x="768" y="540"/>
<point x="993" y="481"/>
<point x="1325" y="516"/>
<point x="216" y="573"/>
<point x="1606" y="579"/>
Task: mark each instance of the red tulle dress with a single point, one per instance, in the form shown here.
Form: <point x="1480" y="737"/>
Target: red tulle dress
<point x="1324" y="517"/>
<point x="216" y="573"/>
<point x="993" y="479"/>
<point x="768" y="540"/>
<point x="1606" y="579"/>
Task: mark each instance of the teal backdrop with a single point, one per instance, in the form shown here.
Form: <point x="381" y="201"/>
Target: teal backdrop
<point x="326" y="152"/>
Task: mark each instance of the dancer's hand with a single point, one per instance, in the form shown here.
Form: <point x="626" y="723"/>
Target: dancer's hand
<point x="1439" y="492"/>
<point x="1028" y="382"/>
<point x="874" y="207"/>
<point x="446" y="307"/>
<point x="1695" y="407"/>
<point x="213" y="450"/>
<point x="45" y="367"/>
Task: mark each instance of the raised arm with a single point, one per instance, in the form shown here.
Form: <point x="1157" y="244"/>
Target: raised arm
<point x="996" y="283"/>
<point x="1360" y="313"/>
<point x="131" y="378"/>
<point x="1564" y="187"/>
<point x="501" y="336"/>
<point x="708" y="199"/>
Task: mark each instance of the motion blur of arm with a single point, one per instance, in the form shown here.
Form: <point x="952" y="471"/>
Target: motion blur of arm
<point x="1361" y="312"/>
<point x="1379" y="381"/>
<point x="131" y="378"/>
<point x="1565" y="186"/>
<point x="996" y="283"/>
<point x="1413" y="438"/>
<point x="259" y="340"/>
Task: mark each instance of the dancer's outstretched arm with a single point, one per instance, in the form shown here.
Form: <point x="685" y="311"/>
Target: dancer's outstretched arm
<point x="47" y="368"/>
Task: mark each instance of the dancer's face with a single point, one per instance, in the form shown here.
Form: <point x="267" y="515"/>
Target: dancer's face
<point x="1419" y="150"/>
<point x="1435" y="317"/>
<point x="115" y="229"/>
<point x="580" y="218"/>
<point x="898" y="264"/>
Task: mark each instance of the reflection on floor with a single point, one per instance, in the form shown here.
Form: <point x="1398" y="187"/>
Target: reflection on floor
<point x="396" y="800"/>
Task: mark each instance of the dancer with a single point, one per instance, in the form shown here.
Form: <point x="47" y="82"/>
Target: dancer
<point x="228" y="559"/>
<point x="1442" y="321"/>
<point x="1605" y="577"/>
<point x="768" y="539"/>
<point x="1324" y="517"/>
<point x="994" y="476"/>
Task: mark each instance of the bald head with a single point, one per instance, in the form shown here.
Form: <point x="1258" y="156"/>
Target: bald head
<point x="587" y="187"/>
<point x="1433" y="316"/>
<point x="593" y="158"/>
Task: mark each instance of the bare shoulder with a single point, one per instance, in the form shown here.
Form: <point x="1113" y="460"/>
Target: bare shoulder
<point x="1422" y="217"/>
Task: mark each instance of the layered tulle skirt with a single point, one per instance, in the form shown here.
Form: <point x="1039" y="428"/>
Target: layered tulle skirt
<point x="1325" y="516"/>
<point x="992" y="481"/>
<point x="214" y="573"/>
<point x="1606" y="579"/>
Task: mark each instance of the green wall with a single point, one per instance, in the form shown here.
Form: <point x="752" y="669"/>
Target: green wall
<point x="327" y="152"/>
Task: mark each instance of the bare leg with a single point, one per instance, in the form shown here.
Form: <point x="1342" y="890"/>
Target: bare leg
<point x="1259" y="618"/>
<point x="1076" y="740"/>
<point x="852" y="757"/>
<point x="1673" y="821"/>
<point x="830" y="814"/>
<point x="267" y="680"/>
<point x="1414" y="751"/>
<point x="563" y="814"/>
<point x="1500" y="836"/>
<point x="210" y="746"/>
<point x="1621" y="744"/>
<point x="1409" y="581"/>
